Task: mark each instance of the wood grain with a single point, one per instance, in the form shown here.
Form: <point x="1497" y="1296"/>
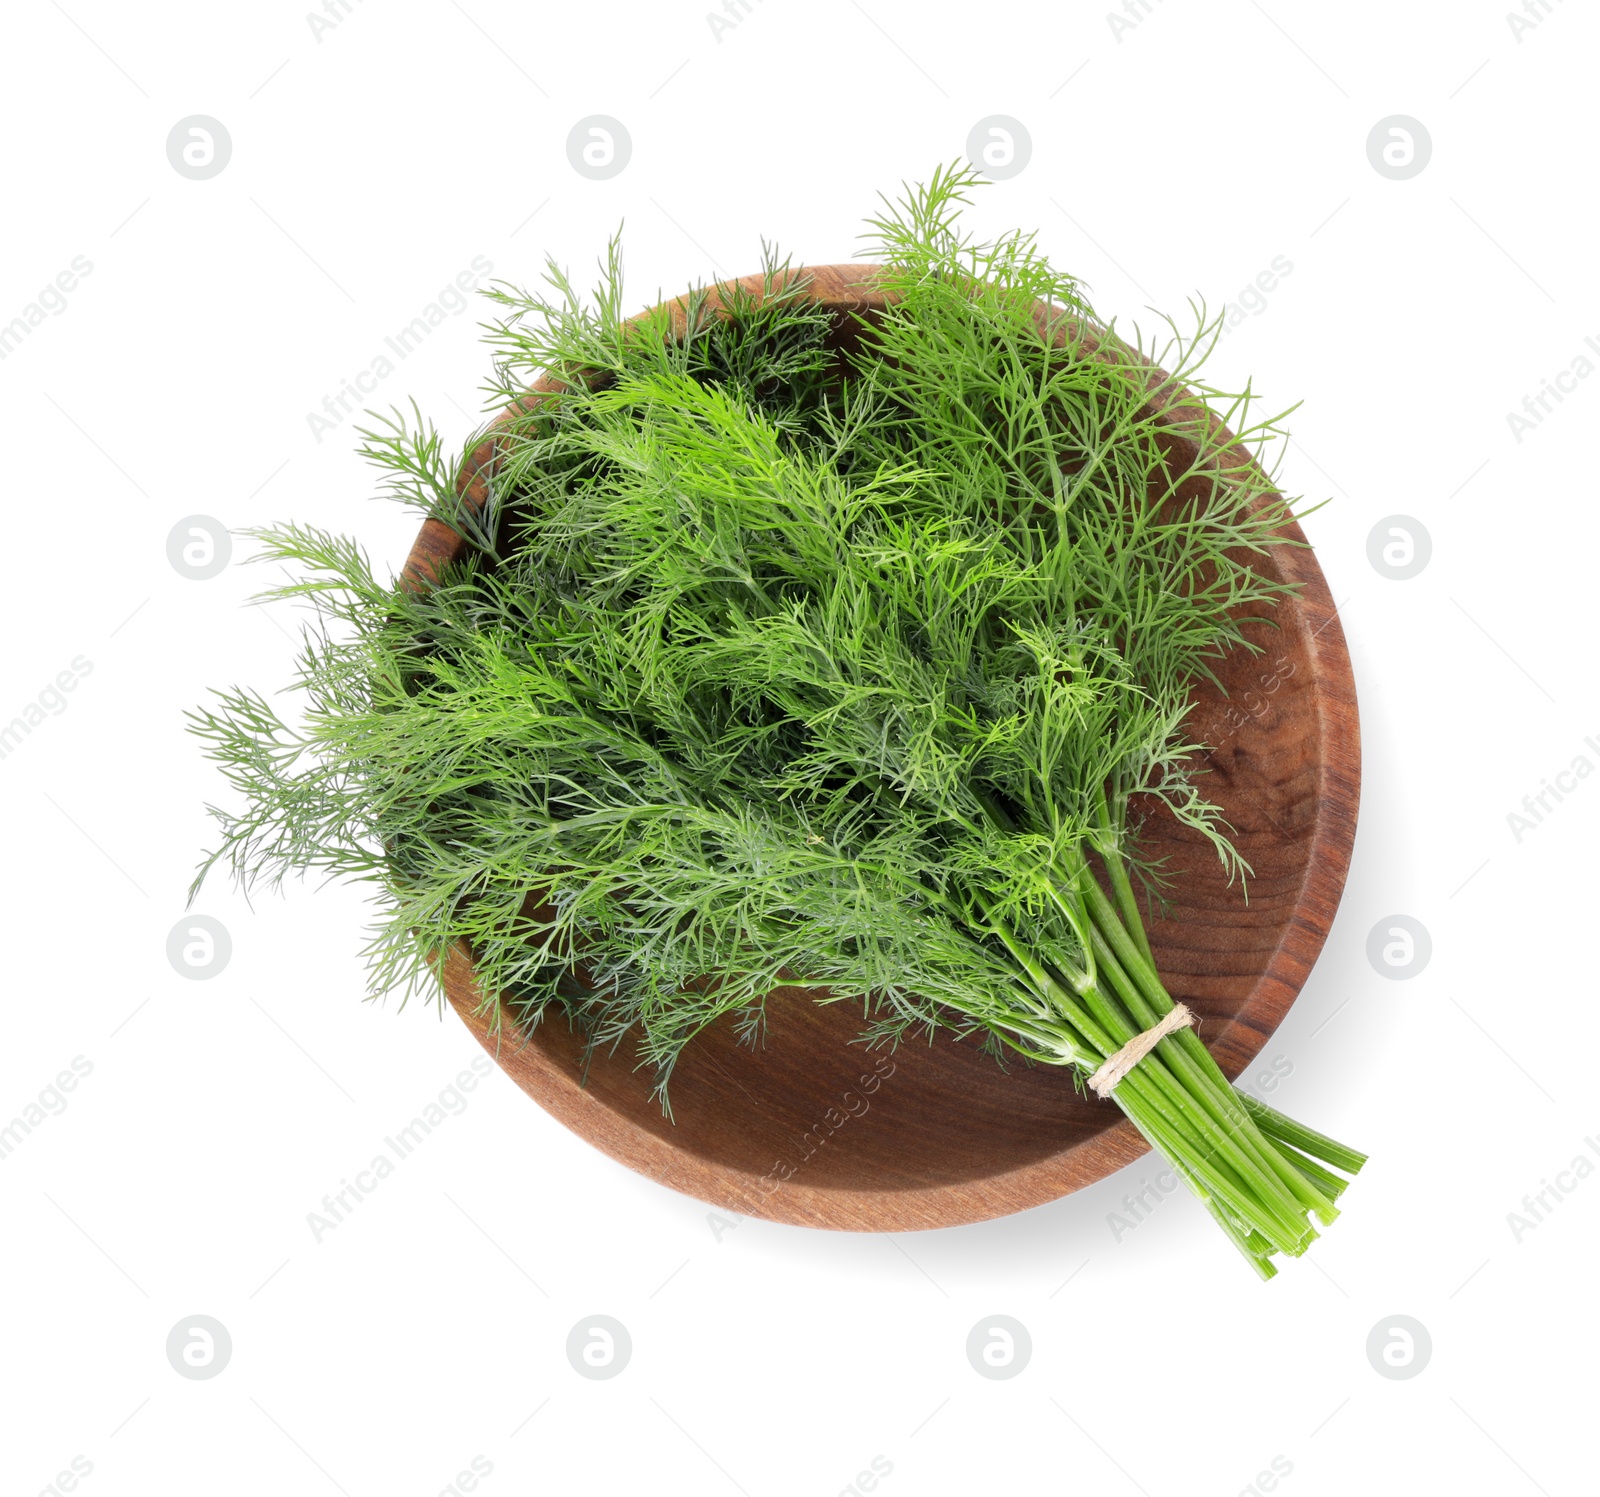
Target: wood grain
<point x="814" y="1130"/>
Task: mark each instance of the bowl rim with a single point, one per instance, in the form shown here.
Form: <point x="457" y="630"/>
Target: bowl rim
<point x="855" y="287"/>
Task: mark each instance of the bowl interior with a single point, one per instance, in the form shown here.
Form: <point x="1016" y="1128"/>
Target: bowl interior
<point x="814" y="1129"/>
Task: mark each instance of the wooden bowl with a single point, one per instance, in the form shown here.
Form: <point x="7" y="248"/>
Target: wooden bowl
<point x="815" y="1130"/>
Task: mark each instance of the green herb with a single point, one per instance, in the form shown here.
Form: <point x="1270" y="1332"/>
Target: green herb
<point x="771" y="664"/>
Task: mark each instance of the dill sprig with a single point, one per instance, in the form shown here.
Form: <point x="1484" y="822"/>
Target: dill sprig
<point x="772" y="664"/>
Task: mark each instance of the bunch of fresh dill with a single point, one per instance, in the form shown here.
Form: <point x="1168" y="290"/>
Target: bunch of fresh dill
<point x="776" y="663"/>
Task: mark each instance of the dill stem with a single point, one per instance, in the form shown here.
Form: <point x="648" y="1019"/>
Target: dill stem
<point x="1191" y="1100"/>
<point x="1121" y="885"/>
<point x="1275" y="1125"/>
<point x="1198" y="1154"/>
<point x="1193" y="1134"/>
<point x="1330" y="1184"/>
<point x="1198" y="1063"/>
<point x="1213" y="1093"/>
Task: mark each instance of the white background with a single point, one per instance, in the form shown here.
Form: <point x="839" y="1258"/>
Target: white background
<point x="369" y="166"/>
